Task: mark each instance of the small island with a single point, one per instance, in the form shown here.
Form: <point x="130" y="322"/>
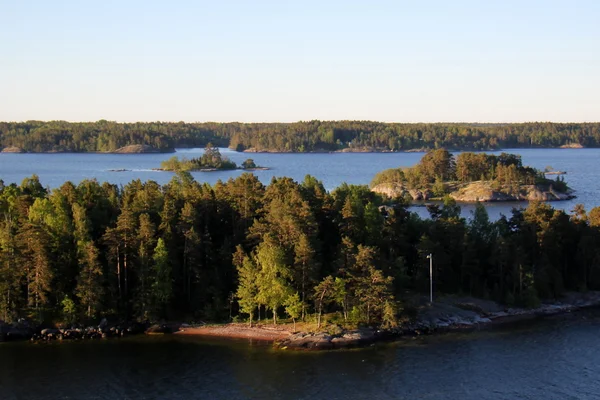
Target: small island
<point x="211" y="160"/>
<point x="470" y="177"/>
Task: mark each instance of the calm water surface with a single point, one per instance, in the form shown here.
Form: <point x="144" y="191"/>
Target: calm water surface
<point x="555" y="358"/>
<point x="332" y="169"/>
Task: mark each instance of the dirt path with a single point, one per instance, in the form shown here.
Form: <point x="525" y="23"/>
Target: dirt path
<point x="241" y="331"/>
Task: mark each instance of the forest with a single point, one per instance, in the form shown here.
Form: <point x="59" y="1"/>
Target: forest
<point x="243" y="250"/>
<point x="303" y="136"/>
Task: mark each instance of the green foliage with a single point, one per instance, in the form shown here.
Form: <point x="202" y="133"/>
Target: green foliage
<point x="68" y="309"/>
<point x="162" y="288"/>
<point x="438" y="169"/>
<point x="273" y="279"/>
<point x="150" y="251"/>
<point x="247" y="291"/>
<point x="211" y="159"/>
<point x="439" y="188"/>
<point x="176" y="164"/>
<point x="392" y="175"/>
<point x="293" y="307"/>
<point x="39" y="136"/>
<point x="248" y="164"/>
<point x="389" y="318"/>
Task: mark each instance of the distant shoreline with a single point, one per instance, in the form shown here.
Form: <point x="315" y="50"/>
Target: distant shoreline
<point x="347" y="150"/>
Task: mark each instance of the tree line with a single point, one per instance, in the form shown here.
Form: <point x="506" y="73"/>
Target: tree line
<point x="303" y="136"/>
<point x="188" y="250"/>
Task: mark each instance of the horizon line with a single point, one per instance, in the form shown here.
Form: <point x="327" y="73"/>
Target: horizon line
<point x="302" y="121"/>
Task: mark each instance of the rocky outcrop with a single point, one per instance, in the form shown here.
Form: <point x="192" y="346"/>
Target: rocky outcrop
<point x="141" y="149"/>
<point x="12" y="149"/>
<point x="484" y="191"/>
<point x="25" y="330"/>
<point x="398" y="190"/>
<point x="326" y="341"/>
<point x="446" y="314"/>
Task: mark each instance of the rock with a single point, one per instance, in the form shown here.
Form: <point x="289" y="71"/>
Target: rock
<point x="49" y="331"/>
<point x="141" y="149"/>
<point x="12" y="149"/>
<point x="398" y="190"/>
<point x="157" y="329"/>
<point x="471" y="192"/>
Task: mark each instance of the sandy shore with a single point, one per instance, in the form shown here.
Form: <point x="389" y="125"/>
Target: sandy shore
<point x="239" y="331"/>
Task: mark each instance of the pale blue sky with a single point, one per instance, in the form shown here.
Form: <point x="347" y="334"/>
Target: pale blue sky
<point x="404" y="61"/>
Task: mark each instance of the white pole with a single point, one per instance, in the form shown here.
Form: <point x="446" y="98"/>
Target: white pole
<point x="430" y="256"/>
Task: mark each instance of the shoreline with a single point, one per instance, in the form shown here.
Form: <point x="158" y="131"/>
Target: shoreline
<point x="448" y="314"/>
<point x="345" y="150"/>
<point x="451" y="314"/>
<point x="266" y="333"/>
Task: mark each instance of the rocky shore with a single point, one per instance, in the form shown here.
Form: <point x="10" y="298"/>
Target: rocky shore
<point x="448" y="314"/>
<point x="483" y="191"/>
<point x="141" y="149"/>
<point x="26" y="330"/>
<point x="12" y="149"/>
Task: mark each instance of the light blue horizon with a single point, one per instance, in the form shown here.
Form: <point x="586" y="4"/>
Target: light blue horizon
<point x="282" y="61"/>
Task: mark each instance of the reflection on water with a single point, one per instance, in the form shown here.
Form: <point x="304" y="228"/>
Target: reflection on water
<point x="548" y="359"/>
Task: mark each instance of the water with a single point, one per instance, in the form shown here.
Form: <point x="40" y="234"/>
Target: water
<point x="332" y="169"/>
<point x="548" y="359"/>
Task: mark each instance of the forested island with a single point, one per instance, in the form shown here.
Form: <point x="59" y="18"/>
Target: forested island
<point x="304" y="136"/>
<point x="290" y="250"/>
<point x="471" y="177"/>
<point x="211" y="160"/>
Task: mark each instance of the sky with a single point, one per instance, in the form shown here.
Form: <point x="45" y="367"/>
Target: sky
<point x="267" y="61"/>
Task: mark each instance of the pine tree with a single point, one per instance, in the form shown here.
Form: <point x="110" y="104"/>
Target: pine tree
<point x="89" y="282"/>
<point x="273" y="277"/>
<point x="162" y="286"/>
<point x="247" y="291"/>
<point x="33" y="248"/>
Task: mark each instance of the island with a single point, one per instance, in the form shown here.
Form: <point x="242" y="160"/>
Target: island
<point x="470" y="177"/>
<point x="334" y="269"/>
<point x="211" y="160"/>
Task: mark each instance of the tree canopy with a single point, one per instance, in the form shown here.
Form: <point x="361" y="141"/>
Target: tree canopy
<point x="184" y="249"/>
<point x="303" y="136"/>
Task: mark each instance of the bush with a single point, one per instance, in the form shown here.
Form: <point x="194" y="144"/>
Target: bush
<point x="393" y="175"/>
<point x="249" y="163"/>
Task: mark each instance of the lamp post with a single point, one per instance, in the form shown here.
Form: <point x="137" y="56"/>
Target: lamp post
<point x="430" y="256"/>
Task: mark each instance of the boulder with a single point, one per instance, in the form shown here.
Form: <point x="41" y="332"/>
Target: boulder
<point x="12" y="149"/>
<point x="157" y="329"/>
<point x="141" y="149"/>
